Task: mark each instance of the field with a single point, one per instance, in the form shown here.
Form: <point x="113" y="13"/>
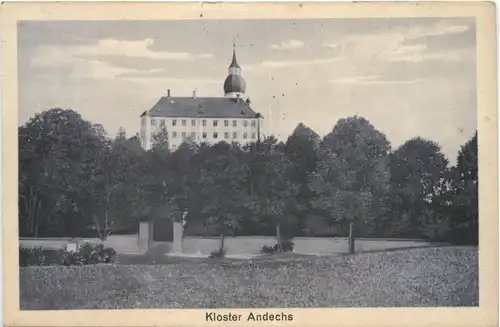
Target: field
<point x="442" y="276"/>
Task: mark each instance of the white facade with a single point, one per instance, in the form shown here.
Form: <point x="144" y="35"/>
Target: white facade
<point x="200" y="129"/>
<point x="205" y="129"/>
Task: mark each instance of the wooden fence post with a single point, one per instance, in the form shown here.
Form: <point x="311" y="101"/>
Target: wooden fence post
<point x="351" y="239"/>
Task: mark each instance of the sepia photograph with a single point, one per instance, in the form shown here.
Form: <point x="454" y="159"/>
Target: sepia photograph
<point x="257" y="163"/>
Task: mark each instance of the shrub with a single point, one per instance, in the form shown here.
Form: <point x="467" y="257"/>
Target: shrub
<point x="217" y="254"/>
<point x="434" y="226"/>
<point x="96" y="253"/>
<point x="88" y="254"/>
<point x="287" y="246"/>
<point x="31" y="256"/>
<point x="267" y="249"/>
<point x="69" y="258"/>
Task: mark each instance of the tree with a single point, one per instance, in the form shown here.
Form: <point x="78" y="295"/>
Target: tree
<point x="351" y="178"/>
<point x="183" y="188"/>
<point x="418" y="179"/>
<point x="273" y="193"/>
<point x="222" y="186"/>
<point x="117" y="188"/>
<point x="464" y="214"/>
<point x="301" y="151"/>
<point x="172" y="179"/>
<point x="160" y="141"/>
<point x="56" y="151"/>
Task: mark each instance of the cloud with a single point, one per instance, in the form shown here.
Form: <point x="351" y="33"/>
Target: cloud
<point x="330" y="45"/>
<point x="417" y="55"/>
<point x="392" y="46"/>
<point x="161" y="75"/>
<point x="372" y="80"/>
<point x="205" y="56"/>
<point x="144" y="79"/>
<point x="88" y="61"/>
<point x="288" y="45"/>
<point x="439" y="29"/>
<point x="277" y="64"/>
<point x="53" y="55"/>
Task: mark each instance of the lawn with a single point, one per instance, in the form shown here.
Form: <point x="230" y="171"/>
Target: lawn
<point x="443" y="276"/>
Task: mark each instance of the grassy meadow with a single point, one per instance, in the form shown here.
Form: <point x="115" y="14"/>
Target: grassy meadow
<point x="441" y="276"/>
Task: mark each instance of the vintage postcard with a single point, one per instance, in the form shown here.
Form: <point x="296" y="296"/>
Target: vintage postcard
<point x="196" y="164"/>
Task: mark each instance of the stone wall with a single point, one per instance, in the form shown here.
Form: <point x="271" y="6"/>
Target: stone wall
<point x="241" y="245"/>
<point x="121" y="243"/>
<point x="304" y="245"/>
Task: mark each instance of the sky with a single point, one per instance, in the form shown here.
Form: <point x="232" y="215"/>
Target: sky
<point x="408" y="76"/>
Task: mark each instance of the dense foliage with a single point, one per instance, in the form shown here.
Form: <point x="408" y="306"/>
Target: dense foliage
<point x="76" y="181"/>
<point x="88" y="254"/>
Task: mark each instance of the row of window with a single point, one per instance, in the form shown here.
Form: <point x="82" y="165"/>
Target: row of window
<point x="215" y="122"/>
<point x="215" y="135"/>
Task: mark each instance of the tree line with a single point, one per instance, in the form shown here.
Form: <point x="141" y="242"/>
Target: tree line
<point x="74" y="180"/>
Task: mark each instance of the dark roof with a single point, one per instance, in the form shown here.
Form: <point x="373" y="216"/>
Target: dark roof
<point x="234" y="83"/>
<point x="201" y="107"/>
<point x="234" y="62"/>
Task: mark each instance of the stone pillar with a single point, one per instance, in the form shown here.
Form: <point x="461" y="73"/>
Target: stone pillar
<point x="144" y="236"/>
<point x="178" y="234"/>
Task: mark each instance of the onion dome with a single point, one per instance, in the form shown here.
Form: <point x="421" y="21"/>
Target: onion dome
<point x="234" y="85"/>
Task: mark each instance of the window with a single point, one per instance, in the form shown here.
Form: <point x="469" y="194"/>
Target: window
<point x="174" y="135"/>
<point x="204" y="135"/>
<point x="193" y="134"/>
<point x="245" y="123"/>
<point x="183" y="135"/>
<point x="234" y="123"/>
<point x="235" y="135"/>
<point x="174" y="122"/>
<point x="184" y="122"/>
<point x="193" y="122"/>
<point x="245" y="135"/>
<point x="253" y="135"/>
<point x="226" y="135"/>
<point x="204" y="122"/>
<point x="215" y="135"/>
<point x="226" y="123"/>
<point x="215" y="123"/>
<point x="153" y="122"/>
<point x="253" y="123"/>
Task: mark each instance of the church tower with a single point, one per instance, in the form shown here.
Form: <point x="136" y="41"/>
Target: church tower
<point x="234" y="85"/>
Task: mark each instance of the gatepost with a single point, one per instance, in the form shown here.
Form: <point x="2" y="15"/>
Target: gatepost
<point x="144" y="236"/>
<point x="178" y="231"/>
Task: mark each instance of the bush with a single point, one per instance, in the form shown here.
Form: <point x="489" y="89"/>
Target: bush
<point x="217" y="254"/>
<point x="69" y="258"/>
<point x="268" y="249"/>
<point x="88" y="254"/>
<point x="31" y="256"/>
<point x="287" y="246"/>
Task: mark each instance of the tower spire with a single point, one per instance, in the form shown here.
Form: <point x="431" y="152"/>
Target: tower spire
<point x="234" y="62"/>
<point x="234" y="85"/>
